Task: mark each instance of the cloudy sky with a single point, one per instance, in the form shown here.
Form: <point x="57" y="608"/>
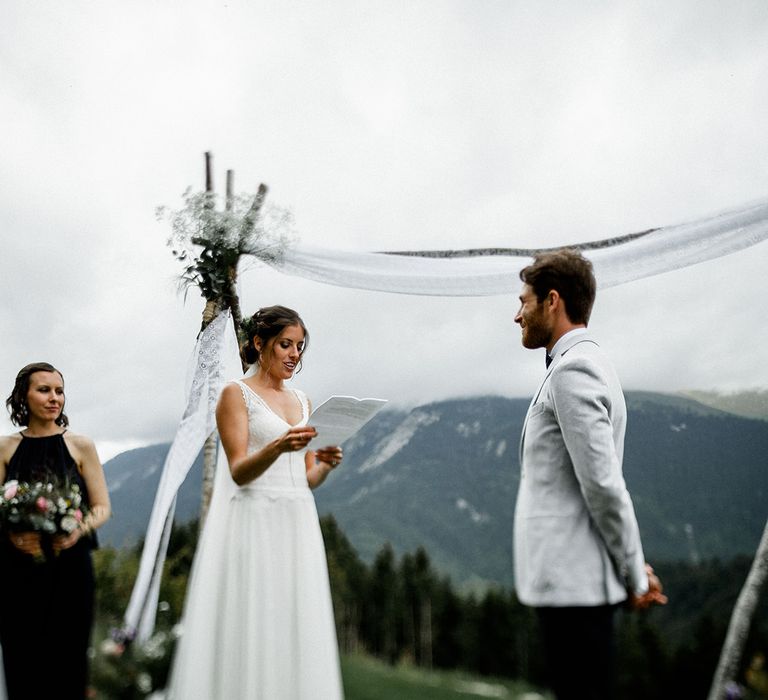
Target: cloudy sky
<point x="380" y="125"/>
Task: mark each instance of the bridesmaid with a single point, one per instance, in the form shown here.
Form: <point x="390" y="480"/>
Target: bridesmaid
<point x="46" y="583"/>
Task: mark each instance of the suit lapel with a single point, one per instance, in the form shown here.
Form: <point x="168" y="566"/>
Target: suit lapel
<point x="569" y="343"/>
<point x="530" y="406"/>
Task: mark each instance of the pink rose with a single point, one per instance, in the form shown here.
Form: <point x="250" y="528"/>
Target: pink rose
<point x="78" y="515"/>
<point x="11" y="488"/>
<point x="42" y="504"/>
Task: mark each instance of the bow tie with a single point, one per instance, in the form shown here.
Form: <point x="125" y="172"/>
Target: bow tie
<point x="548" y="361"/>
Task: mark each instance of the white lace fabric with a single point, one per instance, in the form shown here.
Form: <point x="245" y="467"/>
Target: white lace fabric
<point x="215" y="358"/>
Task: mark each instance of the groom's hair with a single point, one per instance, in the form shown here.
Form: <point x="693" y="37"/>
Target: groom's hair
<point x="569" y="273"/>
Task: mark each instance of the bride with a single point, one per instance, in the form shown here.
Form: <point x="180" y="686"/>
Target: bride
<point x="258" y="620"/>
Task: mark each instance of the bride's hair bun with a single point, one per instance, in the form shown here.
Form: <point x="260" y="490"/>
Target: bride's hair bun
<point x="265" y="324"/>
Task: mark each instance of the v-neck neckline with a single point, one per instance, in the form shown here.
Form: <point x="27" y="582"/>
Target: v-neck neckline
<point x="273" y="411"/>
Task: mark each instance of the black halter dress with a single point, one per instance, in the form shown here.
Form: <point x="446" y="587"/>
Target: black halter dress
<point x="46" y="608"/>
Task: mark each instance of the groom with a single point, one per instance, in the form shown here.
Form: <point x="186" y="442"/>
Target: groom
<point x="577" y="549"/>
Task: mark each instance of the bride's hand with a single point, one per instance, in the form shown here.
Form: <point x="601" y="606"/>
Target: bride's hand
<point x="296" y="438"/>
<point x="331" y="456"/>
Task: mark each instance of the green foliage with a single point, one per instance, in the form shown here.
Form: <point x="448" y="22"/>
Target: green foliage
<point x="415" y="622"/>
<point x="115" y="571"/>
<point x="366" y="678"/>
<point x="130" y="671"/>
<point x="208" y="242"/>
<point x="644" y="665"/>
<point x="347" y="574"/>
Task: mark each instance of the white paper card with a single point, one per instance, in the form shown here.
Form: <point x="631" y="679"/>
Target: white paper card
<point x="338" y="418"/>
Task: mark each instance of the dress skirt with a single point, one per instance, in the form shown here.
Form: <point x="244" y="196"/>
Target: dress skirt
<point x="258" y="620"/>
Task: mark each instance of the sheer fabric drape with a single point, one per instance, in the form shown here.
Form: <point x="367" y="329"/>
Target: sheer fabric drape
<point x="620" y="260"/>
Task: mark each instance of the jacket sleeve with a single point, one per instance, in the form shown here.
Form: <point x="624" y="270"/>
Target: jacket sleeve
<point x="582" y="404"/>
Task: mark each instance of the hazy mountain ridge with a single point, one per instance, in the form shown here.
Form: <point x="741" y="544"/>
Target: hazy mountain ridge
<point x="445" y="476"/>
<point x="750" y="404"/>
<point x="133" y="477"/>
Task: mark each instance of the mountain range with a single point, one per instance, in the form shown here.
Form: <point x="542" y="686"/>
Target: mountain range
<point x="750" y="404"/>
<point x="444" y="476"/>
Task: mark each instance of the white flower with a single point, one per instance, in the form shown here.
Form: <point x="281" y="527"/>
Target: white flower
<point x="68" y="523"/>
<point x="144" y="682"/>
<point x="155" y="646"/>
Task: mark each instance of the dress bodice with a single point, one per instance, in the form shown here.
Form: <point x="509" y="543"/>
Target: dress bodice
<point x="43" y="459"/>
<point x="46" y="459"/>
<point x="287" y="472"/>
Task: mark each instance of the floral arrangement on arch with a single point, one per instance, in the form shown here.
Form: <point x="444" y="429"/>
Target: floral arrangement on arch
<point x="209" y="241"/>
<point x="47" y="507"/>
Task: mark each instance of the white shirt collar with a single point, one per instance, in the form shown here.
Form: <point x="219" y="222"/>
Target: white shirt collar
<point x="561" y="340"/>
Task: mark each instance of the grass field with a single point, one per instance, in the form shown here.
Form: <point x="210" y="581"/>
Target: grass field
<point x="368" y="679"/>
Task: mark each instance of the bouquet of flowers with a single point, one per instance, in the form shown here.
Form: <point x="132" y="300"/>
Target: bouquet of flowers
<point x="47" y="507"/>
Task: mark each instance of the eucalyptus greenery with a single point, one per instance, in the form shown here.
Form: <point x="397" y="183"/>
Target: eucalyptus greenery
<point x="209" y="240"/>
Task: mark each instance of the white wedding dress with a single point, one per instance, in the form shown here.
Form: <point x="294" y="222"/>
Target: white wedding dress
<point x="258" y="621"/>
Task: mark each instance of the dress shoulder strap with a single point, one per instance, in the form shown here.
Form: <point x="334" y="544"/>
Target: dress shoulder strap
<point x="245" y="391"/>
<point x="303" y="400"/>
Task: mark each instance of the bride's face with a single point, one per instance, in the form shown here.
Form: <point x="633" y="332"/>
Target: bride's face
<point x="281" y="355"/>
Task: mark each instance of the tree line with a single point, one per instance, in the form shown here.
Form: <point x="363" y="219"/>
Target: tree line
<point x="402" y="610"/>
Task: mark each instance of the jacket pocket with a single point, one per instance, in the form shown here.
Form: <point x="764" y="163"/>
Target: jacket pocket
<point x="538" y="408"/>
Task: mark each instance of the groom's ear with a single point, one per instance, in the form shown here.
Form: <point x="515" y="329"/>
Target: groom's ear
<point x="553" y="298"/>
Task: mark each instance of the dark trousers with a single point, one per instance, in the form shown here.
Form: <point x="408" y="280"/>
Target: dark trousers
<point x="579" y="645"/>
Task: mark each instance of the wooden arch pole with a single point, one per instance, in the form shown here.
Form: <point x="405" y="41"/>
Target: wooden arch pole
<point x="741" y="620"/>
<point x="210" y="312"/>
<point x="228" y="300"/>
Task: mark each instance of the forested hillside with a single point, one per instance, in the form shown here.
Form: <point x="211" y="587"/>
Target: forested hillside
<point x="444" y="477"/>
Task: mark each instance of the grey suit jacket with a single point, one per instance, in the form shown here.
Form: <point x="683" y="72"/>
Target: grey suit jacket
<point x="576" y="536"/>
